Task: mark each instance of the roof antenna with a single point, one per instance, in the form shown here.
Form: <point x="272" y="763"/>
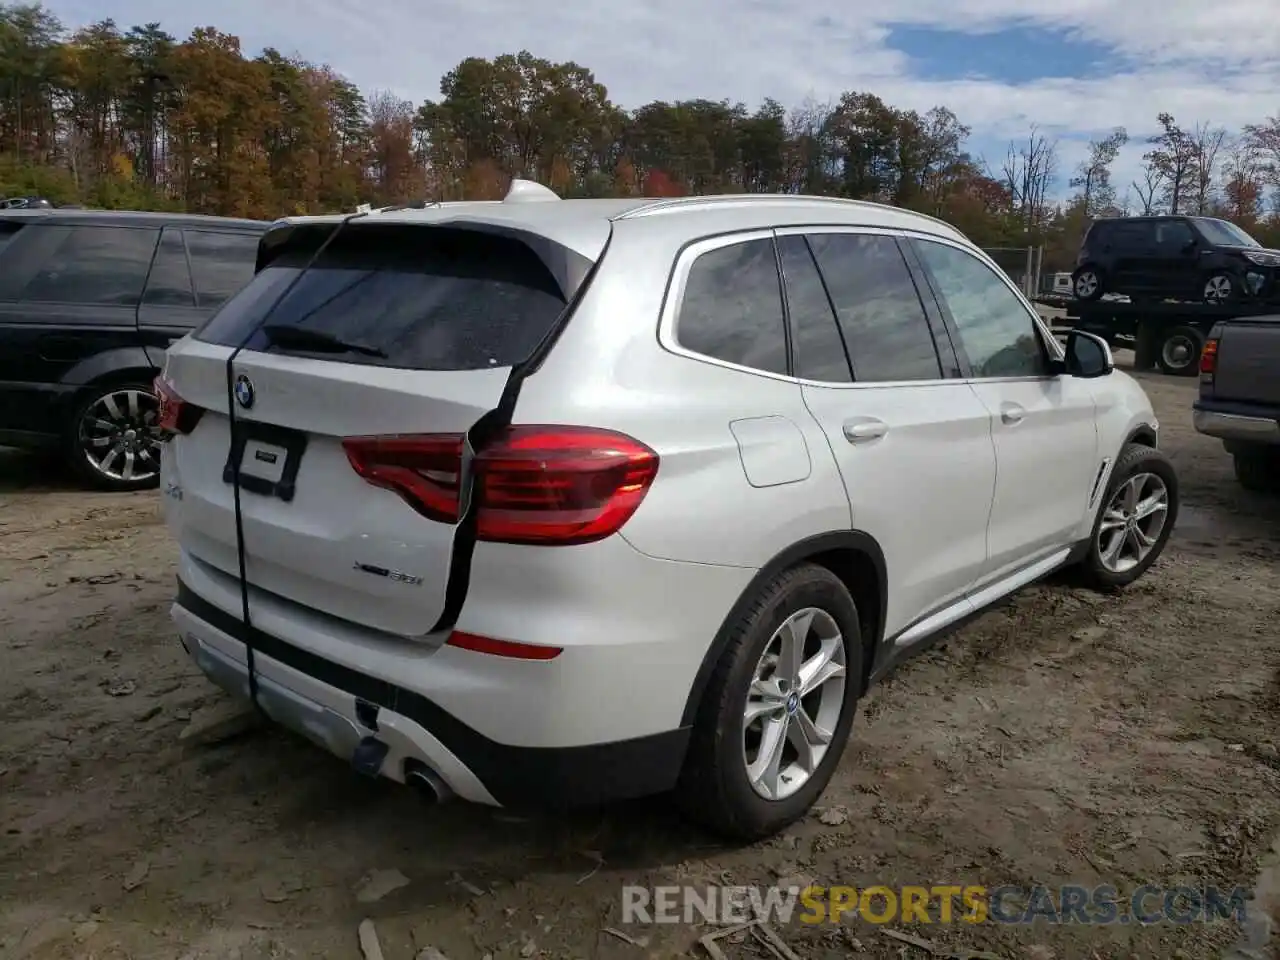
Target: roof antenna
<point x="527" y="191"/>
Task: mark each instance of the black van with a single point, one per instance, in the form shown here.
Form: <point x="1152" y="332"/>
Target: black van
<point x="1174" y="258"/>
<point x="89" y="301"/>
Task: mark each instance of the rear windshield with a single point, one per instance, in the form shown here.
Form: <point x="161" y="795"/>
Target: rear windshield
<point x="425" y="298"/>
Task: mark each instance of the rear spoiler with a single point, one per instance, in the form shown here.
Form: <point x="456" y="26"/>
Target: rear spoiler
<point x="568" y="267"/>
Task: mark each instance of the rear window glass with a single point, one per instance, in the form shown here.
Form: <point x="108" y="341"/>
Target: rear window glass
<point x="426" y="298"/>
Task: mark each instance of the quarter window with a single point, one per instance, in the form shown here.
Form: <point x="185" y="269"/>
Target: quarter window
<point x="996" y="330"/>
<point x="95" y="265"/>
<point x="881" y="317"/>
<point x="732" y="307"/>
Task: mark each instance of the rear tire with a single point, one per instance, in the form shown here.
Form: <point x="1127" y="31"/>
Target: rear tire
<point x="1111" y="563"/>
<point x="1258" y="470"/>
<point x="722" y="787"/>
<point x="1086" y="284"/>
<point x="112" y="441"/>
<point x="1179" y="354"/>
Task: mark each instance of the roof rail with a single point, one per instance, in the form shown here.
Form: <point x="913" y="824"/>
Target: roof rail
<point x="725" y="199"/>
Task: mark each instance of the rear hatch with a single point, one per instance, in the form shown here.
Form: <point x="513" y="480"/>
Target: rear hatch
<point x="1248" y="366"/>
<point x="395" y="330"/>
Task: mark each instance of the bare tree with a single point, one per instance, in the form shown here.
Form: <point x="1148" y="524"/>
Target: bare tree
<point x="1208" y="143"/>
<point x="1028" y="172"/>
<point x="1264" y="140"/>
<point x="1153" y="180"/>
<point x="1093" y="175"/>
<point x="1244" y="172"/>
<point x="1176" y="156"/>
<point x="809" y="156"/>
<point x="1124" y="205"/>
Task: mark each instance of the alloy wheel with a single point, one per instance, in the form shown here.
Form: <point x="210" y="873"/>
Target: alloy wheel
<point x="1218" y="289"/>
<point x="1086" y="284"/>
<point x="794" y="703"/>
<point x="1132" y="522"/>
<point x="118" y="435"/>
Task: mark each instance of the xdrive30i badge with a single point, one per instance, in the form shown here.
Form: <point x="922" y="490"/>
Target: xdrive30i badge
<point x="395" y="575"/>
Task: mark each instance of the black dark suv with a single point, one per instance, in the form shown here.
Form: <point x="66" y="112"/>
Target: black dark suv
<point x="89" y="301"/>
<point x="1174" y="258"/>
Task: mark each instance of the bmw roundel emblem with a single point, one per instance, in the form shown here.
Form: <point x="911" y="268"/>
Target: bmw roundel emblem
<point x="244" y="391"/>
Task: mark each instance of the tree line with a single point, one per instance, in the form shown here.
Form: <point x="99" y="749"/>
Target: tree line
<point x="135" y="118"/>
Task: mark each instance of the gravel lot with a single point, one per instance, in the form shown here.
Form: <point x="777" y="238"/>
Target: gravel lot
<point x="1066" y="737"/>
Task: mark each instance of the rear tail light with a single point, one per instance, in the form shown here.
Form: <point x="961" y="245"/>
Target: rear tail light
<point x="550" y="485"/>
<point x="175" y="414"/>
<point x="1209" y="361"/>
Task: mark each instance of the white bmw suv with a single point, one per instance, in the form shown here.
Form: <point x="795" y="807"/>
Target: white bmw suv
<point x="554" y="502"/>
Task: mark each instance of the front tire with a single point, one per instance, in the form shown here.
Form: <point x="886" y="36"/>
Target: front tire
<point x="1221" y="287"/>
<point x="1137" y="516"/>
<point x="112" y="441"/>
<point x="778" y="708"/>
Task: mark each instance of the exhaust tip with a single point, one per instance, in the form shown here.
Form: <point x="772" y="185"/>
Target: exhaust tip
<point x="428" y="784"/>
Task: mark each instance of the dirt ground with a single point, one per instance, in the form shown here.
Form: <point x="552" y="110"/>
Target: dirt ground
<point x="1067" y="737"/>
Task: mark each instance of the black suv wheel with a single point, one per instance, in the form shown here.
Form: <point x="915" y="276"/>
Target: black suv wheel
<point x="1086" y="283"/>
<point x="113" y="442"/>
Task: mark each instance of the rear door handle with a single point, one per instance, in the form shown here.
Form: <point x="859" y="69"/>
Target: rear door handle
<point x="1012" y="413"/>
<point x="862" y="429"/>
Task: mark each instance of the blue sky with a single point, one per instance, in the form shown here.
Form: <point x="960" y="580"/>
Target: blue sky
<point x="1073" y="68"/>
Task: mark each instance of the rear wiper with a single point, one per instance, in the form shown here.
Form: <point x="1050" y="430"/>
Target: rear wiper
<point x="298" y="338"/>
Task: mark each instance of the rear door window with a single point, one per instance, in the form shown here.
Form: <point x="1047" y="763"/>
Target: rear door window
<point x="1173" y="235"/>
<point x="732" y="307"/>
<point x="101" y="266"/>
<point x="169" y="284"/>
<point x="880" y="312"/>
<point x="817" y="350"/>
<point x="221" y="263"/>
<point x="1136" y="236"/>
<point x="422" y="298"/>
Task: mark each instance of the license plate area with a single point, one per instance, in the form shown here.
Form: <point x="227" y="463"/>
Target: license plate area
<point x="265" y="458"/>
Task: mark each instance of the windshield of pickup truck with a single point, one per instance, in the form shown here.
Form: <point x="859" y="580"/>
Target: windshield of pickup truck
<point x="1223" y="232"/>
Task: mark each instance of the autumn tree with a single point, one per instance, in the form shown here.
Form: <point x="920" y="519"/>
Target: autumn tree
<point x="111" y="116"/>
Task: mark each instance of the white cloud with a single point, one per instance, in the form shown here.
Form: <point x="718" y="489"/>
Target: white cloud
<point x="1201" y="61"/>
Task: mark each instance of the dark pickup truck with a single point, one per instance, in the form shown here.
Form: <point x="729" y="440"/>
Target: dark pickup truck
<point x="1240" y="396"/>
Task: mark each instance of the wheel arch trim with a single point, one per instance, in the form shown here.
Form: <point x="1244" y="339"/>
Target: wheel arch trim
<point x="851" y="540"/>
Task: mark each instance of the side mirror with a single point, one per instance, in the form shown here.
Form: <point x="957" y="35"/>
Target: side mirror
<point x="1087" y="356"/>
